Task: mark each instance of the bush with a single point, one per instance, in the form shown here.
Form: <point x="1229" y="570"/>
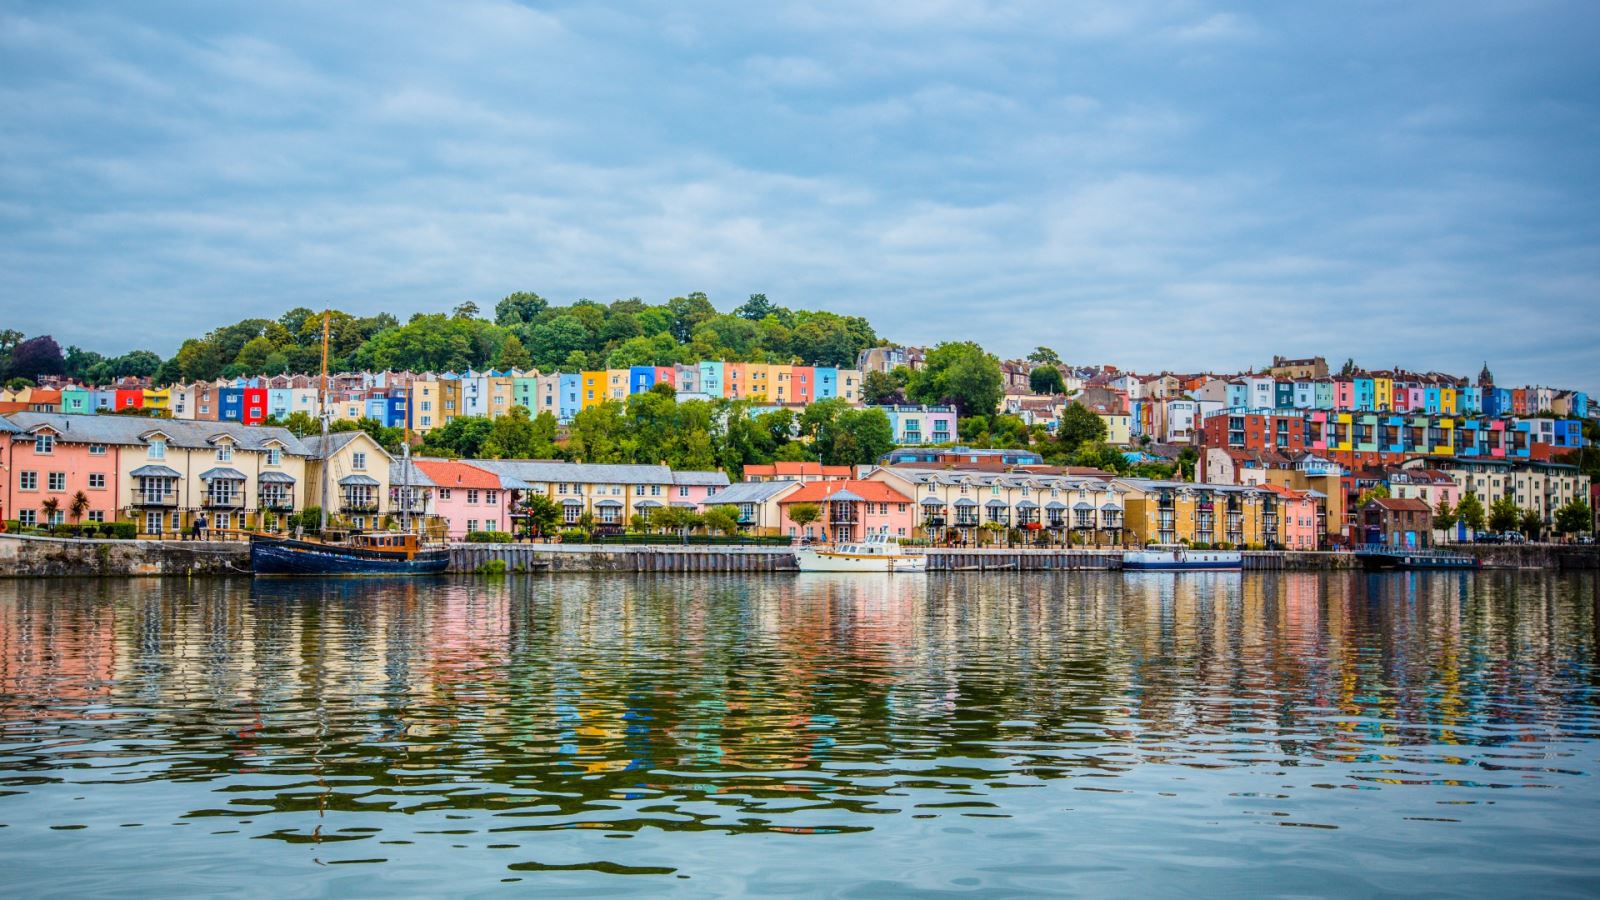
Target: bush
<point x="13" y="526"/>
<point x="488" y="537"/>
<point x="122" y="531"/>
<point x="573" y="536"/>
<point x="492" y="567"/>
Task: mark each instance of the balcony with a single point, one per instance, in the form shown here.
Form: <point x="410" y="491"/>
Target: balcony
<point x="273" y="503"/>
<point x="358" y="506"/>
<point x="153" y="501"/>
<point x="223" y="501"/>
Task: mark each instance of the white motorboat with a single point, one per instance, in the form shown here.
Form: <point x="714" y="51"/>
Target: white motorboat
<point x="1177" y="558"/>
<point x="874" y="553"/>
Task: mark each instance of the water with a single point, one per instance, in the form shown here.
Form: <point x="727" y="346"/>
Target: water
<point x="1089" y="733"/>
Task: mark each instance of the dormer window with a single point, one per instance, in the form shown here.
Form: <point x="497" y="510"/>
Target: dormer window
<point x="158" y="448"/>
<point x="274" y="456"/>
<point x="44" y="444"/>
<point x="224" y="453"/>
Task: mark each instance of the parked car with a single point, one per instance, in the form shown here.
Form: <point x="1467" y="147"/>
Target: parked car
<point x="1514" y="537"/>
<point x="1585" y="539"/>
<point x="1488" y="537"/>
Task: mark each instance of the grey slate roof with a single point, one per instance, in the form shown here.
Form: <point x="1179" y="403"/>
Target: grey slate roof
<point x="8" y="427"/>
<point x="751" y="491"/>
<point x="397" y="475"/>
<point x="336" y="442"/>
<point x="134" y="431"/>
<point x="538" y="470"/>
<point x="222" y="473"/>
<point x="714" y="478"/>
<point x="155" y="471"/>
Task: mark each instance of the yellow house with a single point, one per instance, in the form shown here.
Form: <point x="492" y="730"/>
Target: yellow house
<point x="1119" y="428"/>
<point x="158" y="399"/>
<point x="591" y="389"/>
<point x="502" y="395"/>
<point x="617" y="384"/>
<point x="1383" y="392"/>
<point x="1173" y="512"/>
<point x="422" y="406"/>
<point x="759" y="382"/>
<point x="358" y="478"/>
<point x="451" y="402"/>
<point x="1447" y="400"/>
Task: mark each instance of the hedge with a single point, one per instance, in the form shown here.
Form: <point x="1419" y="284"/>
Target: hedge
<point x="488" y="537"/>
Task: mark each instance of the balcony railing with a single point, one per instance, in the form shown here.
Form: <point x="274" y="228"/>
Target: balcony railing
<point x="223" y="501"/>
<point x="169" y="499"/>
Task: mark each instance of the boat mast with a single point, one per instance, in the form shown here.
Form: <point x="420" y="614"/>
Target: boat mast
<point x="322" y="403"/>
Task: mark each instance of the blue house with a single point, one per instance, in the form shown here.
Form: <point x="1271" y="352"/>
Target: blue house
<point x="567" y="397"/>
<point x="641" y="379"/>
<point x="826" y="383"/>
<point x="230" y="404"/>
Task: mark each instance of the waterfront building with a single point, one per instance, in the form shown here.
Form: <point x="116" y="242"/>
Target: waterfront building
<point x="850" y="510"/>
<point x="358" y="477"/>
<point x="465" y="497"/>
<point x="1540" y="486"/>
<point x="1395" y="522"/>
<point x="1173" y="512"/>
<point x="955" y="504"/>
<point x="612" y="494"/>
<point x="757" y="503"/>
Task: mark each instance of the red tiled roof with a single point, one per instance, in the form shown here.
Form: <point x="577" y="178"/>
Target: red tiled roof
<point x="1399" y="504"/>
<point x="449" y="474"/>
<point x="796" y="468"/>
<point x="871" y="491"/>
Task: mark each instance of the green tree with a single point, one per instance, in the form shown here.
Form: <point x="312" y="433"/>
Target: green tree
<point x="1078" y="424"/>
<point x="1046" y="380"/>
<point x="1379" y="491"/>
<point x="599" y="434"/>
<point x="543" y="513"/>
<point x="1444" y="518"/>
<point x="463" y="436"/>
<point x="804" y="514"/>
<point x="723" y="518"/>
<point x="1574" y="517"/>
<point x="882" y="389"/>
<point x="80" y="504"/>
<point x="1530" y="523"/>
<point x="960" y="374"/>
<point x="755" y="309"/>
<point x="1470" y="512"/>
<point x="1503" y="515"/>
<point x="511" y="436"/>
<point x="1044" y="356"/>
<point x="513" y="355"/>
<point x="519" y="308"/>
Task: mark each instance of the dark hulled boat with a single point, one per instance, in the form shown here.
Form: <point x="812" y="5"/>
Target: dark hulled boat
<point x="361" y="554"/>
<point x="1380" y="558"/>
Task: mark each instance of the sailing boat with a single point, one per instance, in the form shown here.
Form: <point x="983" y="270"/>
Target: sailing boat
<point x="347" y="553"/>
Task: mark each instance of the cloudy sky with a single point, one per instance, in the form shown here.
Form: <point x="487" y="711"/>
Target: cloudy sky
<point x="1151" y="183"/>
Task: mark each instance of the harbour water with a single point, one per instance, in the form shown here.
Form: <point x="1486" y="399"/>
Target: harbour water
<point x="998" y="734"/>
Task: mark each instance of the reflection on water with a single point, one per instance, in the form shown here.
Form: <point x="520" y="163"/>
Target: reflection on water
<point x="1085" y="732"/>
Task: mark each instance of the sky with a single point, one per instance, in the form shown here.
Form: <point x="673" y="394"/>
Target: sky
<point x="1155" y="184"/>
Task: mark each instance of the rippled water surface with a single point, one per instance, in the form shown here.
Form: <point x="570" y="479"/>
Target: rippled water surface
<point x="859" y="736"/>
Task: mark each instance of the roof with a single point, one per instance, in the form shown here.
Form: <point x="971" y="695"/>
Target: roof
<point x="796" y="469"/>
<point x="336" y="442"/>
<point x="713" y="478"/>
<point x="222" y="473"/>
<point x="417" y="478"/>
<point x="8" y="427"/>
<point x="360" y="481"/>
<point x="451" y="474"/>
<point x="870" y="491"/>
<point x="181" y="433"/>
<point x="752" y="491"/>
<point x="154" y="471"/>
<point x="1398" y="504"/>
<point x="539" y="470"/>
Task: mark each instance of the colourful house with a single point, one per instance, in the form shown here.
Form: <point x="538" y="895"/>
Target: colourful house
<point x="77" y="401"/>
<point x="712" y="379"/>
<point x="850" y="510"/>
<point x="466" y="497"/>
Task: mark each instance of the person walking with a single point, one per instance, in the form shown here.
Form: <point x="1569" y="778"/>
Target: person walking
<point x="200" y="525"/>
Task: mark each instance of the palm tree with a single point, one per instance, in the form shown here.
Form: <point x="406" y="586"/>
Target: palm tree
<point x="49" y="508"/>
<point x="79" y="506"/>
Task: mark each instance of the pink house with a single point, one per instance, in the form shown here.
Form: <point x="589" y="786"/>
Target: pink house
<point x="850" y="510"/>
<point x="697" y="488"/>
<point x="1297" y="515"/>
<point x="466" y="497"/>
<point x="46" y="463"/>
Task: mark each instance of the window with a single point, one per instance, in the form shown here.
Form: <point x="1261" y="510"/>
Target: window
<point x="158" y="449"/>
<point x="97" y="480"/>
<point x="472" y="497"/>
<point x="58" y="481"/>
<point x="444" y="493"/>
<point x="97" y="515"/>
<point x="427" y="421"/>
<point x="27" y="481"/>
<point x="655" y="490"/>
<point x="274" y="456"/>
<point x="97" y="449"/>
<point x="472" y="525"/>
<point x="491" y="496"/>
<point x="27" y="517"/>
<point x="358" y="460"/>
<point x="44" y="444"/>
<point x="683" y="491"/>
<point x="224" y="453"/>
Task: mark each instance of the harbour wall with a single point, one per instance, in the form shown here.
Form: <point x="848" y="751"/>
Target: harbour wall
<point x="44" y="557"/>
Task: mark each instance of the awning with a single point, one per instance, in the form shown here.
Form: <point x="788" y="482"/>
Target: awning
<point x="1110" y="507"/>
<point x="1027" y="504"/>
<point x="683" y="504"/>
<point x="964" y="501"/>
<point x="608" y="503"/>
<point x="155" y="472"/>
<point x="222" y="473"/>
<point x="359" y="481"/>
<point x="932" y="501"/>
<point x="1055" y="504"/>
<point x="571" y="502"/>
<point x="996" y="504"/>
<point x="276" y="478"/>
<point x="1083" y="506"/>
<point x="647" y="504"/>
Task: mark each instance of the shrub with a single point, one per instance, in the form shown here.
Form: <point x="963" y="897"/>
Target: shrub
<point x="573" y="536"/>
<point x="488" y="537"/>
<point x="122" y="531"/>
<point x="13" y="526"/>
<point x="492" y="567"/>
